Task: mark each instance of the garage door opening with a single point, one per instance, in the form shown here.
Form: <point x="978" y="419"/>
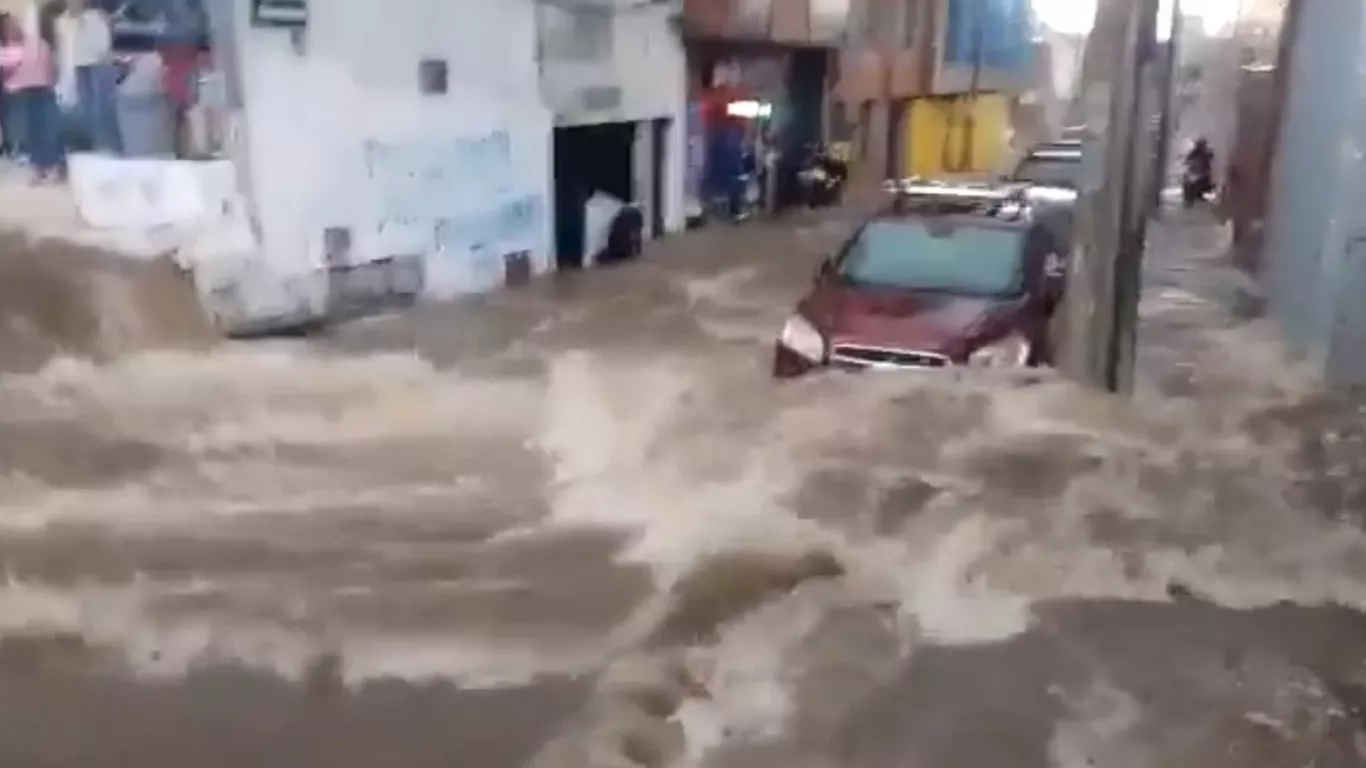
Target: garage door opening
<point x="588" y="159"/>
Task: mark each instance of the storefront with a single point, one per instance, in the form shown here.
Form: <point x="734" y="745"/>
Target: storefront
<point x="615" y="83"/>
<point x="759" y="107"/>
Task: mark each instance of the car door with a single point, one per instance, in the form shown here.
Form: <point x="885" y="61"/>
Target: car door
<point x="1045" y="280"/>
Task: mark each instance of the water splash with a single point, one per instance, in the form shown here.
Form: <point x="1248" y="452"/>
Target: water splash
<point x="294" y="503"/>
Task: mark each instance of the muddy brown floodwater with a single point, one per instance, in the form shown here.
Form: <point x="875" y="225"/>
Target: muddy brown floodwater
<point x="578" y="525"/>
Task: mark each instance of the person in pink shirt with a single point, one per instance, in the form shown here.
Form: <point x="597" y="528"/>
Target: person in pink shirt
<point x="29" y="79"/>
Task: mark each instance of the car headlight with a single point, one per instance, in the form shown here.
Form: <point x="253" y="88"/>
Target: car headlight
<point x="801" y="337"/>
<point x="1010" y="352"/>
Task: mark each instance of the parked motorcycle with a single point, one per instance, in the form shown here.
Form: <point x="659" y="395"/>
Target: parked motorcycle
<point x="625" y="237"/>
<point x="1195" y="187"/>
<point x="822" y="178"/>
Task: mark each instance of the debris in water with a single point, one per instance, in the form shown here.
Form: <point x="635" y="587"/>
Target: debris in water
<point x="725" y="586"/>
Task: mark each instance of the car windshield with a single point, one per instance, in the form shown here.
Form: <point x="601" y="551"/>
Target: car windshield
<point x="969" y="260"/>
<point x="1049" y="172"/>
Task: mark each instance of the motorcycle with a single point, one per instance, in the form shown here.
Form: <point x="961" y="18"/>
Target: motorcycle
<point x="821" y="180"/>
<point x="1195" y="187"/>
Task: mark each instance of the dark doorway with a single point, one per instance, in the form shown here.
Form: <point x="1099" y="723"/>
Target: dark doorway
<point x="659" y="153"/>
<point x="806" y="77"/>
<point x="588" y="159"/>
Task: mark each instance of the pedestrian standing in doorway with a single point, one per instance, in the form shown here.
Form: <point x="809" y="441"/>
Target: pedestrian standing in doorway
<point x="85" y="46"/>
<point x="30" y="75"/>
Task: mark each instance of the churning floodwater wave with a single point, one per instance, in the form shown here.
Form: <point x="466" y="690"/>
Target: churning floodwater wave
<point x="773" y="554"/>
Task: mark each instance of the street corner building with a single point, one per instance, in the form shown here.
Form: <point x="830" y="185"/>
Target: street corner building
<point x="937" y="87"/>
<point x="394" y="152"/>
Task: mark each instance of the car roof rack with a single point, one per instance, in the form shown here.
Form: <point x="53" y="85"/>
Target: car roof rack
<point x="1054" y="152"/>
<point x="935" y="197"/>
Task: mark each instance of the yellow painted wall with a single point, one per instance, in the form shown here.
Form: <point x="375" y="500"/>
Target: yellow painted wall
<point x="933" y="131"/>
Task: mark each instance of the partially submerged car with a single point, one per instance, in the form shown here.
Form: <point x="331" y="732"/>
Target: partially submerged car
<point x="1073" y="133"/>
<point x="1050" y="165"/>
<point x="1052" y="173"/>
<point x="938" y="285"/>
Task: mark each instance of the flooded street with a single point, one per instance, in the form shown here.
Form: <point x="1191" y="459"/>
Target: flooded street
<point x="579" y="525"/>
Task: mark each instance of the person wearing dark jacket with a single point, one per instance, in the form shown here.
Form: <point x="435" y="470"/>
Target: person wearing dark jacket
<point x="1200" y="158"/>
<point x="1199" y="177"/>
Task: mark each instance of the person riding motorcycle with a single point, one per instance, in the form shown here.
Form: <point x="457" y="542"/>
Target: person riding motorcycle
<point x="1199" y="177"/>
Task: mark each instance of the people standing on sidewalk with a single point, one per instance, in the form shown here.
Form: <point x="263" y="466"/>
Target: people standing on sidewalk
<point x="9" y="146"/>
<point x="180" y="48"/>
<point x="29" y="82"/>
<point x="85" y="46"/>
<point x="6" y="129"/>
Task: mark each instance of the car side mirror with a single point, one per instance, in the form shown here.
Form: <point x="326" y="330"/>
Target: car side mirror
<point x="825" y="269"/>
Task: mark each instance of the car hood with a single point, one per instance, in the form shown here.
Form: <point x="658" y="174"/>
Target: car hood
<point x="935" y="322"/>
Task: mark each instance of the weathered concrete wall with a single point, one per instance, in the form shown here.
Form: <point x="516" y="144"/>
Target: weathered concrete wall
<point x="1316" y="234"/>
<point x="617" y="66"/>
<point x="626" y="65"/>
<point x="349" y="162"/>
<point x="1267" y="33"/>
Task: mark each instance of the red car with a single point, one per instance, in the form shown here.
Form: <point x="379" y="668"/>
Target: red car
<point x="929" y="291"/>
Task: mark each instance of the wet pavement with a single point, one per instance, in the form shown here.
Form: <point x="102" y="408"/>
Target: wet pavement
<point x="577" y="524"/>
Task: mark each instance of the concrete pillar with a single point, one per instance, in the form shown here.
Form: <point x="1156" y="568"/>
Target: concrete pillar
<point x="1316" y="227"/>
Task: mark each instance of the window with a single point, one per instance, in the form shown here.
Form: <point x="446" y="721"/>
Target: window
<point x="830" y="20"/>
<point x="910" y="22"/>
<point x="915" y="254"/>
<point x="580" y="35"/>
<point x="1049" y="172"/>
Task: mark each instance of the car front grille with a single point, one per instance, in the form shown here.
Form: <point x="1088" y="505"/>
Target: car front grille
<point x="881" y="357"/>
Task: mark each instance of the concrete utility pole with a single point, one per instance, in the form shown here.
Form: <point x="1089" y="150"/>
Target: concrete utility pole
<point x="1101" y="308"/>
<point x="1166" y="127"/>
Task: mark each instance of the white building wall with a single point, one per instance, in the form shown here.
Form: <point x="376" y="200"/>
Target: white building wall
<point x="322" y="117"/>
<point x="641" y="75"/>
<point x="644" y="62"/>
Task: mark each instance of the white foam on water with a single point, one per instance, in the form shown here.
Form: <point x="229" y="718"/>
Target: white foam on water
<point x="1043" y="492"/>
